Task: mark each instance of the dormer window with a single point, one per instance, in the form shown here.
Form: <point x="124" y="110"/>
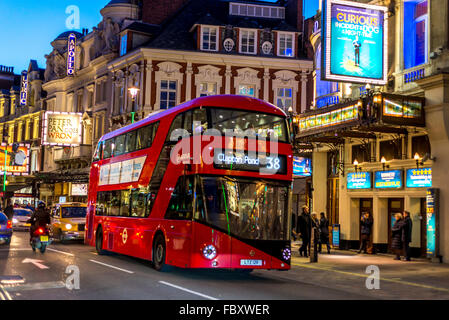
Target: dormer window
<point x="123" y="44"/>
<point x="286" y="42"/>
<point x="248" y="40"/>
<point x="209" y="38"/>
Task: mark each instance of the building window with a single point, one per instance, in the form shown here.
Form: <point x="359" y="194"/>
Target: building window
<point x="361" y="153"/>
<point x="208" y="89"/>
<point x="415" y="33"/>
<point x="123" y="44"/>
<point x="246" y="90"/>
<point x="209" y="39"/>
<point x="285" y="46"/>
<point x="248" y="39"/>
<point x="284" y="98"/>
<point x="420" y="145"/>
<point x="168" y="94"/>
<point x="391" y="149"/>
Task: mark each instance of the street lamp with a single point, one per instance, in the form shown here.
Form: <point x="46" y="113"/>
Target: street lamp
<point x="357" y="168"/>
<point x="418" y="160"/>
<point x="133" y="91"/>
<point x="384" y="164"/>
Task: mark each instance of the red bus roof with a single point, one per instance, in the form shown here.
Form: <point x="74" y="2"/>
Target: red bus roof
<point x="225" y="101"/>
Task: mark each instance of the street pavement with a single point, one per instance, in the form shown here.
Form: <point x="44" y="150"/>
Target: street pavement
<point x="341" y="275"/>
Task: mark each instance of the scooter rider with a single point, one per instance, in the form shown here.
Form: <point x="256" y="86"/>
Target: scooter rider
<point x="39" y="218"/>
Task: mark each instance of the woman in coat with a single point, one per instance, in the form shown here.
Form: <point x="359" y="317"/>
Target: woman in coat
<point x="397" y="235"/>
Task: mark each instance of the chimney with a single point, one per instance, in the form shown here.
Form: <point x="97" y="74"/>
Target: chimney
<point x="294" y="14"/>
<point x="158" y="11"/>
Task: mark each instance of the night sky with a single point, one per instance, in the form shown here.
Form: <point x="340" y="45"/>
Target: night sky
<point x="28" y="26"/>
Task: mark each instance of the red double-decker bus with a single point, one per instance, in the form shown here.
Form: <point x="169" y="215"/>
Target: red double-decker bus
<point x="177" y="189"/>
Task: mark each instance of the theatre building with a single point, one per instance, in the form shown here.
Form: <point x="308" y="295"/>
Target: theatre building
<point x="378" y="149"/>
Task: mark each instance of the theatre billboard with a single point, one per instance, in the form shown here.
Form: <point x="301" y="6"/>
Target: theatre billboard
<point x="62" y="129"/>
<point x="355" y="42"/>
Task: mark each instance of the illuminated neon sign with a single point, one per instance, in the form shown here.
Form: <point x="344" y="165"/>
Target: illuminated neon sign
<point x="355" y="42"/>
<point x="359" y="180"/>
<point x="71" y="46"/>
<point x="419" y="178"/>
<point x="388" y="179"/>
<point x="24" y="89"/>
<point x="329" y="119"/>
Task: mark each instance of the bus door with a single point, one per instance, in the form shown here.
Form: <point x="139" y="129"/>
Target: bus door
<point x="179" y="223"/>
<point x="213" y="228"/>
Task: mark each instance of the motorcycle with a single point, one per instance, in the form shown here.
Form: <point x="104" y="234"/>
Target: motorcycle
<point x="40" y="239"/>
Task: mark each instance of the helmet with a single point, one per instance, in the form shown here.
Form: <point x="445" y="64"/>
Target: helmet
<point x="41" y="204"/>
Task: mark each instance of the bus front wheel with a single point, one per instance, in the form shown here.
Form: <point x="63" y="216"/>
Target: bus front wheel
<point x="159" y="252"/>
<point x="99" y="242"/>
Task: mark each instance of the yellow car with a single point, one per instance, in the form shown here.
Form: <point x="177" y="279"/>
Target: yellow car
<point x="68" y="221"/>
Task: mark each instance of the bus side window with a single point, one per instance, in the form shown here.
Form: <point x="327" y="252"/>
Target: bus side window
<point x="119" y="147"/>
<point x="97" y="154"/>
<point x="130" y="143"/>
<point x="124" y="203"/>
<point x="180" y="205"/>
<point x="176" y="124"/>
<point x="188" y="121"/>
<point x="144" y="137"/>
<point x="107" y="149"/>
<point x="138" y="199"/>
<point x="199" y="121"/>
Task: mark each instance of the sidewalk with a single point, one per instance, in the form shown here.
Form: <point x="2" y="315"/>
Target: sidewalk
<point x="405" y="278"/>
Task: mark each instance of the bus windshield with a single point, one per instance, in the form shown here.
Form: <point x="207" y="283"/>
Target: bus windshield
<point x="74" y="212"/>
<point x="248" y="209"/>
<point x="264" y="125"/>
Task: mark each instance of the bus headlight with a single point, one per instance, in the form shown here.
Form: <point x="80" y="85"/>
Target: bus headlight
<point x="14" y="220"/>
<point x="68" y="226"/>
<point x="286" y="254"/>
<point x="209" y="252"/>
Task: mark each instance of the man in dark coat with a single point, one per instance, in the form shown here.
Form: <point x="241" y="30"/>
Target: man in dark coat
<point x="324" y="232"/>
<point x="407" y="236"/>
<point x="9" y="209"/>
<point x="39" y="218"/>
<point x="397" y="234"/>
<point x="366" y="224"/>
<point x="305" y="230"/>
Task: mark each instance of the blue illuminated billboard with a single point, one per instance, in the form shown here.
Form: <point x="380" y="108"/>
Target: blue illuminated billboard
<point x="419" y="178"/>
<point x="388" y="179"/>
<point x="355" y="41"/>
<point x="359" y="180"/>
<point x="302" y="167"/>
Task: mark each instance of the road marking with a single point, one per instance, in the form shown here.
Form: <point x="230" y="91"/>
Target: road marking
<point x="5" y="292"/>
<point x="37" y="263"/>
<point x="425" y="286"/>
<point x="108" y="265"/>
<point x="63" y="252"/>
<point x="16" y="249"/>
<point x="37" y="286"/>
<point x="188" y="290"/>
<point x="2" y="296"/>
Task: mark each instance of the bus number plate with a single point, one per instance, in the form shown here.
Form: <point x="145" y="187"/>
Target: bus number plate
<point x="246" y="262"/>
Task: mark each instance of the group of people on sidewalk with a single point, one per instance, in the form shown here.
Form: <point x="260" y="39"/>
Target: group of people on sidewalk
<point x="305" y="224"/>
<point x="401" y="234"/>
<point x="400" y="238"/>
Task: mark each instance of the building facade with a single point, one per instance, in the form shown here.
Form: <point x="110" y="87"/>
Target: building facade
<point x="386" y="140"/>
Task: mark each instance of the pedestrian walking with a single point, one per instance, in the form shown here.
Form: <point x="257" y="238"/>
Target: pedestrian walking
<point x="397" y="236"/>
<point x="366" y="224"/>
<point x="324" y="232"/>
<point x="305" y="230"/>
<point x="407" y="238"/>
<point x="9" y="209"/>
